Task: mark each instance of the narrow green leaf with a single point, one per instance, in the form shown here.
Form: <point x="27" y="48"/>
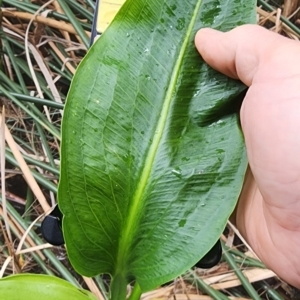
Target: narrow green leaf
<point x="33" y="286"/>
<point x="74" y="21"/>
<point x="240" y="275"/>
<point x="200" y="284"/>
<point x="153" y="158"/>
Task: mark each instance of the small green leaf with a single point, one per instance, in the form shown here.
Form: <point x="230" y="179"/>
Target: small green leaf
<point x="44" y="287"/>
<point x="152" y="157"/>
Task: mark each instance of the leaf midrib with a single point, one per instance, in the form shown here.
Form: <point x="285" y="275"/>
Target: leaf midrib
<point x="134" y="208"/>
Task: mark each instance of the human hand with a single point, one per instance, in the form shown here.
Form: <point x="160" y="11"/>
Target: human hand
<point x="268" y="212"/>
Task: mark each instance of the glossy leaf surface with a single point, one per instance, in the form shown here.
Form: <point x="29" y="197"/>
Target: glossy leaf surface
<point x="153" y="158"/>
<point x="42" y="287"/>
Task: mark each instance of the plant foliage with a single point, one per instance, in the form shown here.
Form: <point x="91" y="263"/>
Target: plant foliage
<point x="152" y="157"/>
<point x="33" y="287"/>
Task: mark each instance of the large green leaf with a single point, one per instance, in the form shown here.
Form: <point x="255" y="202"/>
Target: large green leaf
<point x="153" y="158"/>
<point x="40" y="287"/>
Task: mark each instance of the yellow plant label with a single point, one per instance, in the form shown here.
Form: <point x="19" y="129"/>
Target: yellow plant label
<point x="106" y="12"/>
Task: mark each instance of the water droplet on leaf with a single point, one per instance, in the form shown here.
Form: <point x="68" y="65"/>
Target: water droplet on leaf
<point x="197" y="92"/>
<point x="177" y="172"/>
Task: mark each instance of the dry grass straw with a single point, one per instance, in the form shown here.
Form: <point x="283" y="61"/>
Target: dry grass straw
<point x="93" y="287"/>
<point x="3" y="192"/>
<point x="61" y="25"/>
<point x="62" y="57"/>
<point x="65" y="34"/>
<point x="158" y="295"/>
<point x="25" y="169"/>
<point x="15" y="255"/>
<point x="229" y="279"/>
<point x="25" y="238"/>
<point x="14" y="23"/>
<point x="289" y="10"/>
<point x="41" y="64"/>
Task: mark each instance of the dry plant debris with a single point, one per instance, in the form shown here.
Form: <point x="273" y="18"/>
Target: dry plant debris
<point x="43" y="42"/>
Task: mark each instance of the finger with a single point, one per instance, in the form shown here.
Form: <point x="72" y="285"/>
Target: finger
<point x="241" y="52"/>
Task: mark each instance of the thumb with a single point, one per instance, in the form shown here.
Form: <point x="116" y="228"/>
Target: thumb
<point x="241" y="52"/>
